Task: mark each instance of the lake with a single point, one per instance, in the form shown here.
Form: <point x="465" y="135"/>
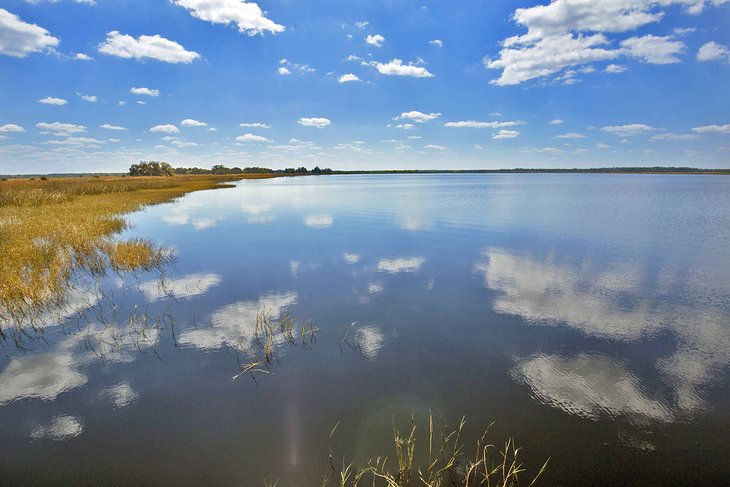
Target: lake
<point x="587" y="316"/>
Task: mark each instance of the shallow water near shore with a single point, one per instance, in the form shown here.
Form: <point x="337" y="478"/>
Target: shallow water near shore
<point x="587" y="315"/>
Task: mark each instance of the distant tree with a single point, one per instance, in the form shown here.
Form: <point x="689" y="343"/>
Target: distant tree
<point x="302" y="170"/>
<point x="316" y="170"/>
<point x="151" y="168"/>
<point x="289" y="170"/>
<point x="219" y="169"/>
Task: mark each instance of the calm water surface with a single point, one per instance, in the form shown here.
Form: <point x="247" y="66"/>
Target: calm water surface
<point x="587" y="315"/>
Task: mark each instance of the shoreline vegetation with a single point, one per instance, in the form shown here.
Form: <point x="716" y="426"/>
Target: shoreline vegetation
<point x="302" y="171"/>
<point x="55" y="230"/>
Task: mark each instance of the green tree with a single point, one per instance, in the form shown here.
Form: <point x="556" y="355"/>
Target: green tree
<point x="151" y="168"/>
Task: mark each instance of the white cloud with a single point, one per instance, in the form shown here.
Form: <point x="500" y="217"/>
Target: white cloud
<point x="284" y="71"/>
<point x="570" y="135"/>
<point x="314" y="122"/>
<point x="506" y="134"/>
<point x="121" y="395"/>
<point x="615" y="69"/>
<point x="718" y="129"/>
<point x="109" y="126"/>
<point x="255" y="125"/>
<point x="654" y="49"/>
<point x="347" y="78"/>
<point x="80" y="56"/>
<point x="351" y="258"/>
<point x="405" y="126"/>
<point x="77" y="142"/>
<point x="401" y="264"/>
<point x="144" y="91"/>
<point x="397" y="68"/>
<point x="674" y="137"/>
<point x="601" y="145"/>
<point x="556" y="121"/>
<point x="362" y="24"/>
<point x="189" y="122"/>
<point x="629" y="129"/>
<point x="50" y="100"/>
<point x="712" y="51"/>
<point x="61" y="428"/>
<point x="61" y="129"/>
<point x="11" y="127"/>
<point x="473" y="124"/>
<point x="418" y="117"/>
<point x="18" y="38"/>
<point x="248" y="16"/>
<point x="567" y="33"/>
<point x="437" y="43"/>
<point x="435" y="147"/>
<point x="145" y="47"/>
<point x="251" y="138"/>
<point x="89" y="98"/>
<point x="375" y="40"/>
<point x="166" y="129"/>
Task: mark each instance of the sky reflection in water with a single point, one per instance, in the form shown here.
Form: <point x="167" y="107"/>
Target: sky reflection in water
<point x="590" y="304"/>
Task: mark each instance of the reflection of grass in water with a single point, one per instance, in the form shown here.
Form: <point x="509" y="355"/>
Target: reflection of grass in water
<point x="447" y="463"/>
<point x="268" y="332"/>
<point x="50" y="230"/>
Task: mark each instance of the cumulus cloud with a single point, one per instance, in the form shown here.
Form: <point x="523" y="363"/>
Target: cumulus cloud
<point x="183" y="287"/>
<point x="80" y="56"/>
<point x="251" y="138"/>
<point x="42" y="376"/>
<point x="556" y="121"/>
<point x="247" y="16"/>
<point x="615" y="69"/>
<point x="255" y="125"/>
<point x="189" y="122"/>
<point x="317" y="122"/>
<point x="145" y="47"/>
<point x="50" y="100"/>
<point x="405" y="126"/>
<point x="629" y="129"/>
<point x="88" y="98"/>
<point x="567" y="33"/>
<point x="18" y="38"/>
<point x="473" y="124"/>
<point x="347" y="78"/>
<point x="717" y="129"/>
<point x="11" y="127"/>
<point x="418" y="117"/>
<point x="60" y="428"/>
<point x="435" y="147"/>
<point x="437" y="43"/>
<point x="397" y="68"/>
<point x="506" y="134"/>
<point x="712" y="51"/>
<point x="61" y="129"/>
<point x="375" y="40"/>
<point x="166" y="129"/>
<point x="144" y="91"/>
<point x="284" y="71"/>
<point x="654" y="49"/>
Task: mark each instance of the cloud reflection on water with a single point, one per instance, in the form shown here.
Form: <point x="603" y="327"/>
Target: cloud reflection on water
<point x="611" y="305"/>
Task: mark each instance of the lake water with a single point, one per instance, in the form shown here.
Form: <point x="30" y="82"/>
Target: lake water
<point x="588" y="316"/>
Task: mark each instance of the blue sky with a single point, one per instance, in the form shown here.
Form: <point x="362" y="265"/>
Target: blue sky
<point x="366" y="84"/>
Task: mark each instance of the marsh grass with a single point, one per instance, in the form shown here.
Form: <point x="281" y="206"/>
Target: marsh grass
<point x="270" y="331"/>
<point x="446" y="463"/>
<point x="52" y="230"/>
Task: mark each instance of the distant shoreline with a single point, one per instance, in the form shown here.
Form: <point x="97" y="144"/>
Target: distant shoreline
<point x="597" y="170"/>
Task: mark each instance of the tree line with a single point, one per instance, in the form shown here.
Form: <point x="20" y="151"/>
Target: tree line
<point x="158" y="168"/>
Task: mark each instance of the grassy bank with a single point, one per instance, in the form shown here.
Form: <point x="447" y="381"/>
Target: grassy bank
<point x="52" y="229"/>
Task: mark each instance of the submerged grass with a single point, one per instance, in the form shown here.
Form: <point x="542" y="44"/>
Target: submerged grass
<point x="446" y="463"/>
<point x="53" y="229"/>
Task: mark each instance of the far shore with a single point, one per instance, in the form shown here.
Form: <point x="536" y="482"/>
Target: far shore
<point x="597" y="170"/>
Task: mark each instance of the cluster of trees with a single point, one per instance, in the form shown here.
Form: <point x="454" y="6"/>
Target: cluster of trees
<point x="155" y="168"/>
<point x="151" y="168"/>
<point x="304" y="170"/>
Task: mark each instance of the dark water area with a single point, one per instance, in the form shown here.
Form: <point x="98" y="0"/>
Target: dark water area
<point x="587" y="316"/>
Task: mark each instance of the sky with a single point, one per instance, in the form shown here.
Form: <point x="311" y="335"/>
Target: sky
<point x="96" y="85"/>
